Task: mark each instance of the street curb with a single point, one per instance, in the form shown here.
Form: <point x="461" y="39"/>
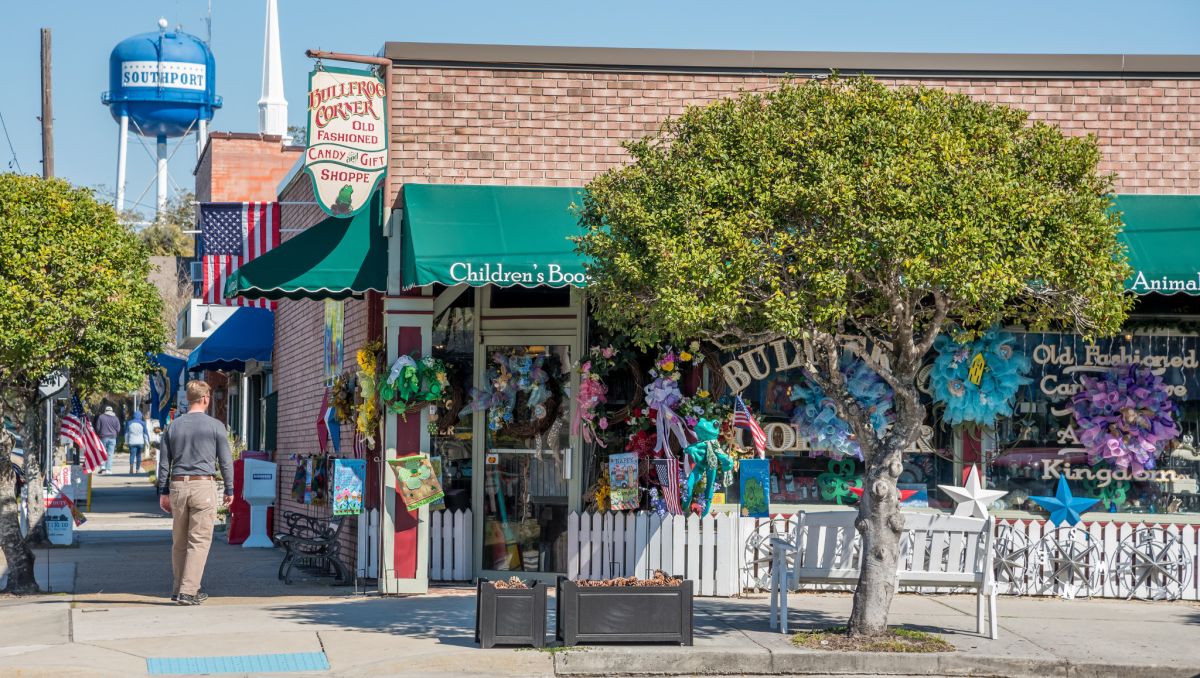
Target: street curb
<point x="669" y="661"/>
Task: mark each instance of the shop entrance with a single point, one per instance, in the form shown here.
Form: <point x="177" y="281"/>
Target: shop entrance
<point x="524" y="490"/>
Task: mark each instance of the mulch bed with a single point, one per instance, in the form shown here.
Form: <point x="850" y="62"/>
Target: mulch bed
<point x="895" y="640"/>
<point x="659" y="578"/>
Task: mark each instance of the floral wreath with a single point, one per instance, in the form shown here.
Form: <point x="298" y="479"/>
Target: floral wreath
<point x="593" y="394"/>
<point x="663" y="395"/>
<point x="978" y="380"/>
<point x="412" y="384"/>
<point x="1124" y="417"/>
<point x="817" y="420"/>
<point x="511" y="375"/>
<point x="367" y="419"/>
<point x="341" y="398"/>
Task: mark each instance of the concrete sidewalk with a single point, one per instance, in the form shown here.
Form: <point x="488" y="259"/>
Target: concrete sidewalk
<point x="114" y="634"/>
<point x="111" y="615"/>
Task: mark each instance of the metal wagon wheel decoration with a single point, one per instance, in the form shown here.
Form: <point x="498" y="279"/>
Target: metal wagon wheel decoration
<point x="1151" y="564"/>
<point x="1071" y="562"/>
<point x="1012" y="552"/>
<point x="756" y="573"/>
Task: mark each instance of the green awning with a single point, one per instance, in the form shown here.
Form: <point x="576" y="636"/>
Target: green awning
<point x="335" y="259"/>
<point x="490" y="235"/>
<point x="1163" y="236"/>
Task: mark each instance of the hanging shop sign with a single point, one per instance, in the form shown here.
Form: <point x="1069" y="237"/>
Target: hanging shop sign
<point x="346" y="153"/>
<point x="1058" y="359"/>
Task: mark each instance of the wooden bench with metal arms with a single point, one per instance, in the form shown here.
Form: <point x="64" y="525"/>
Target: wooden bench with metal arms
<point x="311" y="541"/>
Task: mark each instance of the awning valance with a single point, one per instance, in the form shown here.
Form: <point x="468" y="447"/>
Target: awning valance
<point x="1163" y="236"/>
<point x="335" y="259"/>
<point x="498" y="235"/>
<point x="248" y="334"/>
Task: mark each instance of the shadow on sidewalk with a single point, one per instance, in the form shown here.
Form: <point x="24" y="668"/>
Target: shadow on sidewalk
<point x="450" y="620"/>
<point x="715" y="616"/>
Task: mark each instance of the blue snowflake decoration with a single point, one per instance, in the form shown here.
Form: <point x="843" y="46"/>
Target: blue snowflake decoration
<point x="979" y="380"/>
<point x="817" y="421"/>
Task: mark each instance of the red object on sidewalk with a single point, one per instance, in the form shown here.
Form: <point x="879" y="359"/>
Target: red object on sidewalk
<point x="239" y="511"/>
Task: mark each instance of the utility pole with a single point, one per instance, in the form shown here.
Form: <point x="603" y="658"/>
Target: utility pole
<point x="47" y="110"/>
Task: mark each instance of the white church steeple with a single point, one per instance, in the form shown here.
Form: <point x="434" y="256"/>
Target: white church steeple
<point x="272" y="106"/>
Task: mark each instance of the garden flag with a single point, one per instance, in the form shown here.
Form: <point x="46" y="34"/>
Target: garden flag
<point x="755" y="476"/>
<point x="235" y="233"/>
<point x="623" y="481"/>
<point x="349" y="478"/>
<point x="416" y="481"/>
<point x="77" y="427"/>
<point x="743" y="419"/>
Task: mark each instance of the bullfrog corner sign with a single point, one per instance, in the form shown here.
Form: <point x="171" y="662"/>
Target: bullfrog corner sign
<point x="346" y="153"/>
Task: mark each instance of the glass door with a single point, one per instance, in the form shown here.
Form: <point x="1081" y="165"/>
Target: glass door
<point x="523" y="409"/>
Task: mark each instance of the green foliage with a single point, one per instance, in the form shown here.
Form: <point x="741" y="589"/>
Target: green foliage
<point x="843" y="206"/>
<point x="73" y="290"/>
<point x="165" y="236"/>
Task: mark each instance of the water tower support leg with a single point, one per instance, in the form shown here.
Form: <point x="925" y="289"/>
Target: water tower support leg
<point x="161" y="204"/>
<point x="122" y="145"/>
<point x="201" y="138"/>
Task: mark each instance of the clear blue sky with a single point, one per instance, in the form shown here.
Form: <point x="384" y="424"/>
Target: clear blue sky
<point x="85" y="31"/>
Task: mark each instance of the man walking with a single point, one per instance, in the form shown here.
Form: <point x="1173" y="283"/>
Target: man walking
<point x="192" y="447"/>
<point x="108" y="427"/>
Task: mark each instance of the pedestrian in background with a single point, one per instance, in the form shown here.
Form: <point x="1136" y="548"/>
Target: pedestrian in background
<point x="192" y="447"/>
<point x="108" y="427"/>
<point x="137" y="437"/>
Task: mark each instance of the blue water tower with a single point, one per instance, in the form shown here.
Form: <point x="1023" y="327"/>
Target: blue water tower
<point x="165" y="84"/>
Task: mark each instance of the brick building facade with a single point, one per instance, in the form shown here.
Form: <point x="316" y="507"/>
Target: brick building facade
<point x="557" y="117"/>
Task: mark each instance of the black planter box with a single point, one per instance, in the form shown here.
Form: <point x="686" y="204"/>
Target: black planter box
<point x="510" y="616"/>
<point x="623" y="614"/>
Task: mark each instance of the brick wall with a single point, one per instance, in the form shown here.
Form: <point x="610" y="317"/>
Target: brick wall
<point x="238" y="167"/>
<point x="562" y="128"/>
<point x="298" y="368"/>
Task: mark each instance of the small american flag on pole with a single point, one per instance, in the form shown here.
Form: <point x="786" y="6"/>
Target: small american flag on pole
<point x="77" y="428"/>
<point x="667" y="469"/>
<point x="744" y="420"/>
<point x="235" y="233"/>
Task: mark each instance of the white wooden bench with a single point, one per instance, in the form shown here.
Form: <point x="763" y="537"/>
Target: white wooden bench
<point x="936" y="550"/>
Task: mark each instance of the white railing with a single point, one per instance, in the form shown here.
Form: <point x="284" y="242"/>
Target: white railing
<point x="726" y="554"/>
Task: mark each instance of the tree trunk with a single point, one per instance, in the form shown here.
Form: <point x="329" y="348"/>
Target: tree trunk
<point x="17" y="553"/>
<point x="881" y="525"/>
<point x="35" y="490"/>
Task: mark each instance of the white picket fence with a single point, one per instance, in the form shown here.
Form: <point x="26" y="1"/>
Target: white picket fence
<point x="450" y="540"/>
<point x="605" y="545"/>
<point x="719" y="553"/>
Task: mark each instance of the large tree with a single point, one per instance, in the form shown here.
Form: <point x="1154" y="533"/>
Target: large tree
<point x="855" y="219"/>
<point x="74" y="295"/>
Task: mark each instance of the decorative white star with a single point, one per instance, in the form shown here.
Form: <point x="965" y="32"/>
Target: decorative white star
<point x="972" y="501"/>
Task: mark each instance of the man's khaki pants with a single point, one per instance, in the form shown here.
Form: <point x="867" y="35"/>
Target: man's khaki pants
<point x="193" y="510"/>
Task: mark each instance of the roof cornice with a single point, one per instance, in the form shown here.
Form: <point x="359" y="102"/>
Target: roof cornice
<point x="906" y="64"/>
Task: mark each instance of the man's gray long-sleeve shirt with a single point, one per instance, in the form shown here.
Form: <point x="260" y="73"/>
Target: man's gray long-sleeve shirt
<point x="193" y="445"/>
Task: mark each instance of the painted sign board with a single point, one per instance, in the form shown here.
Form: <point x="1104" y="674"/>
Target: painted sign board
<point x="346" y="153"/>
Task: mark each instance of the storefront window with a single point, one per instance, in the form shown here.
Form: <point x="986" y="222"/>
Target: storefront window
<point x="451" y="430"/>
<point x="1025" y="453"/>
<point x="1040" y="443"/>
<point x="527" y="450"/>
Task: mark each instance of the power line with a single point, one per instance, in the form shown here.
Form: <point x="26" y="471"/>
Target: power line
<point x="12" y="150"/>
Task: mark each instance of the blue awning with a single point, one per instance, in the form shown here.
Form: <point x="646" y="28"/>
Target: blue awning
<point x="248" y="334"/>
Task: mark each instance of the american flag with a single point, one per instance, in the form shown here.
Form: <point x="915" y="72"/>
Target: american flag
<point x="235" y="233"/>
<point x="77" y="428"/>
<point x="667" y="469"/>
<point x="743" y="419"/>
